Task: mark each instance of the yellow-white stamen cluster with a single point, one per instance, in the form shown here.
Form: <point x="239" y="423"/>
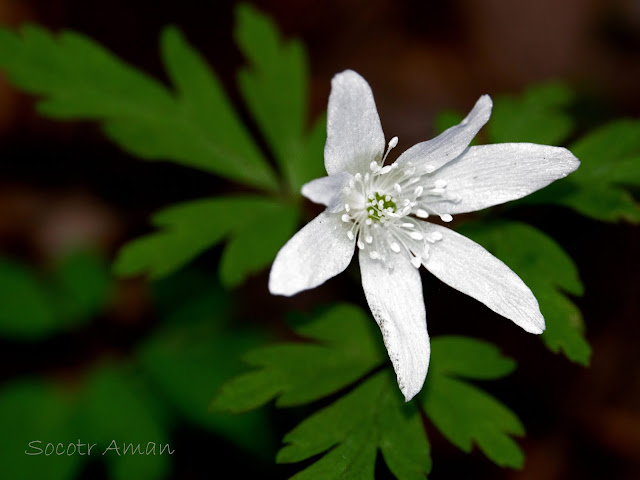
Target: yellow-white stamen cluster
<point x="386" y="205"/>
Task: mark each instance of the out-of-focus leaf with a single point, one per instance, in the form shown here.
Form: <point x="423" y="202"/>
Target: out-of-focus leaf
<point x="549" y="272"/>
<point x="118" y="413"/>
<point x="372" y="417"/>
<point x="34" y="305"/>
<point x="257" y="226"/>
<point x="25" y="308"/>
<point x="33" y="414"/>
<point x="344" y="349"/>
<point x="537" y="116"/>
<point x="78" y="79"/>
<point x="464" y="413"/>
<point x="193" y="355"/>
<point x="274" y="85"/>
<point x="610" y="160"/>
<point x="81" y="286"/>
<point x="447" y="119"/>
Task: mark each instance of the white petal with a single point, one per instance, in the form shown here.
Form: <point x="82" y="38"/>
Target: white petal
<point x="354" y="133"/>
<point x="466" y="266"/>
<point x="327" y="190"/>
<point x="432" y="154"/>
<point x="493" y="174"/>
<point x="395" y="299"/>
<point x="318" y="252"/>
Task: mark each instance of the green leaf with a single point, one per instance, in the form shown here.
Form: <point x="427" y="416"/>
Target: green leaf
<point x="118" y="413"/>
<point x="193" y="354"/>
<point x="537" y="116"/>
<point x="253" y="246"/>
<point x="190" y="228"/>
<point x="81" y="286"/>
<point x="78" y="79"/>
<point x="372" y="416"/>
<point x="462" y="412"/>
<point x="345" y="348"/>
<point x="549" y="272"/>
<point x="274" y="85"/>
<point x="25" y="308"/>
<point x="610" y="160"/>
<point x="33" y="414"/>
<point x="33" y="305"/>
<point x="469" y="358"/>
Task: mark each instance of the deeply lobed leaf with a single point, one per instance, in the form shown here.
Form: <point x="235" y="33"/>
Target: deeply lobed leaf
<point x="78" y="79"/>
<point x="274" y="85"/>
<point x="549" y="272"/>
<point x="344" y="349"/>
<point x="464" y="413"/>
<point x="371" y="417"/>
<point x="190" y="228"/>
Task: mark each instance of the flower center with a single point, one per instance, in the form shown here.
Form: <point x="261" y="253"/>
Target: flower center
<point x="385" y="206"/>
<point x="379" y="205"/>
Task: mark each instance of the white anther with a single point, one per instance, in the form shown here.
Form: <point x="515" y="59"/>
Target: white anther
<point x="347" y="207"/>
<point x="371" y="211"/>
<point x="346" y="218"/>
<point x="436" y="236"/>
<point x="416" y="236"/>
<point x="418" y="191"/>
<point x="405" y="211"/>
<point x="422" y="213"/>
<point x="387" y="169"/>
<point x="350" y="235"/>
<point x="387" y="198"/>
<point x="416" y="262"/>
<point x="393" y="142"/>
<point x="374" y="255"/>
<point x="360" y="244"/>
<point x="368" y="239"/>
<point x="446" y="217"/>
<point x="429" y="169"/>
<point x="367" y="176"/>
<point x="397" y="188"/>
<point x="407" y="225"/>
<point x="380" y="204"/>
<point x="395" y="247"/>
<point x="440" y="183"/>
<point x="368" y="221"/>
<point x="374" y="167"/>
<point x="358" y="176"/>
<point x="352" y="183"/>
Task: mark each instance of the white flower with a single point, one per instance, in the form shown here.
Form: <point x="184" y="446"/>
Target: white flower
<point x="383" y="210"/>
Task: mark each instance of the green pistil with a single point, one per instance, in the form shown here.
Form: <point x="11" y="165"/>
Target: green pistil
<point x="375" y="213"/>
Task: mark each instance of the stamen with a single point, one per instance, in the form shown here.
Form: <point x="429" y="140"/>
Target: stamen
<point x="416" y="236"/>
<point x="374" y="167"/>
<point x="360" y="245"/>
<point x="350" y="235"/>
<point x="437" y="236"/>
<point x="397" y="188"/>
<point x="418" y="191"/>
<point x="440" y="183"/>
<point x="395" y="247"/>
<point x="416" y="262"/>
<point x="346" y="218"/>
<point x="446" y="217"/>
<point x="347" y="207"/>
<point x="422" y="213"/>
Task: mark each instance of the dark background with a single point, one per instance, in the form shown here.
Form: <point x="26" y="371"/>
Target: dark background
<point x="62" y="184"/>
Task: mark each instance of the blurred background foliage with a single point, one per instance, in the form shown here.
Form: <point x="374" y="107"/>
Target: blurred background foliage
<point x="90" y="353"/>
